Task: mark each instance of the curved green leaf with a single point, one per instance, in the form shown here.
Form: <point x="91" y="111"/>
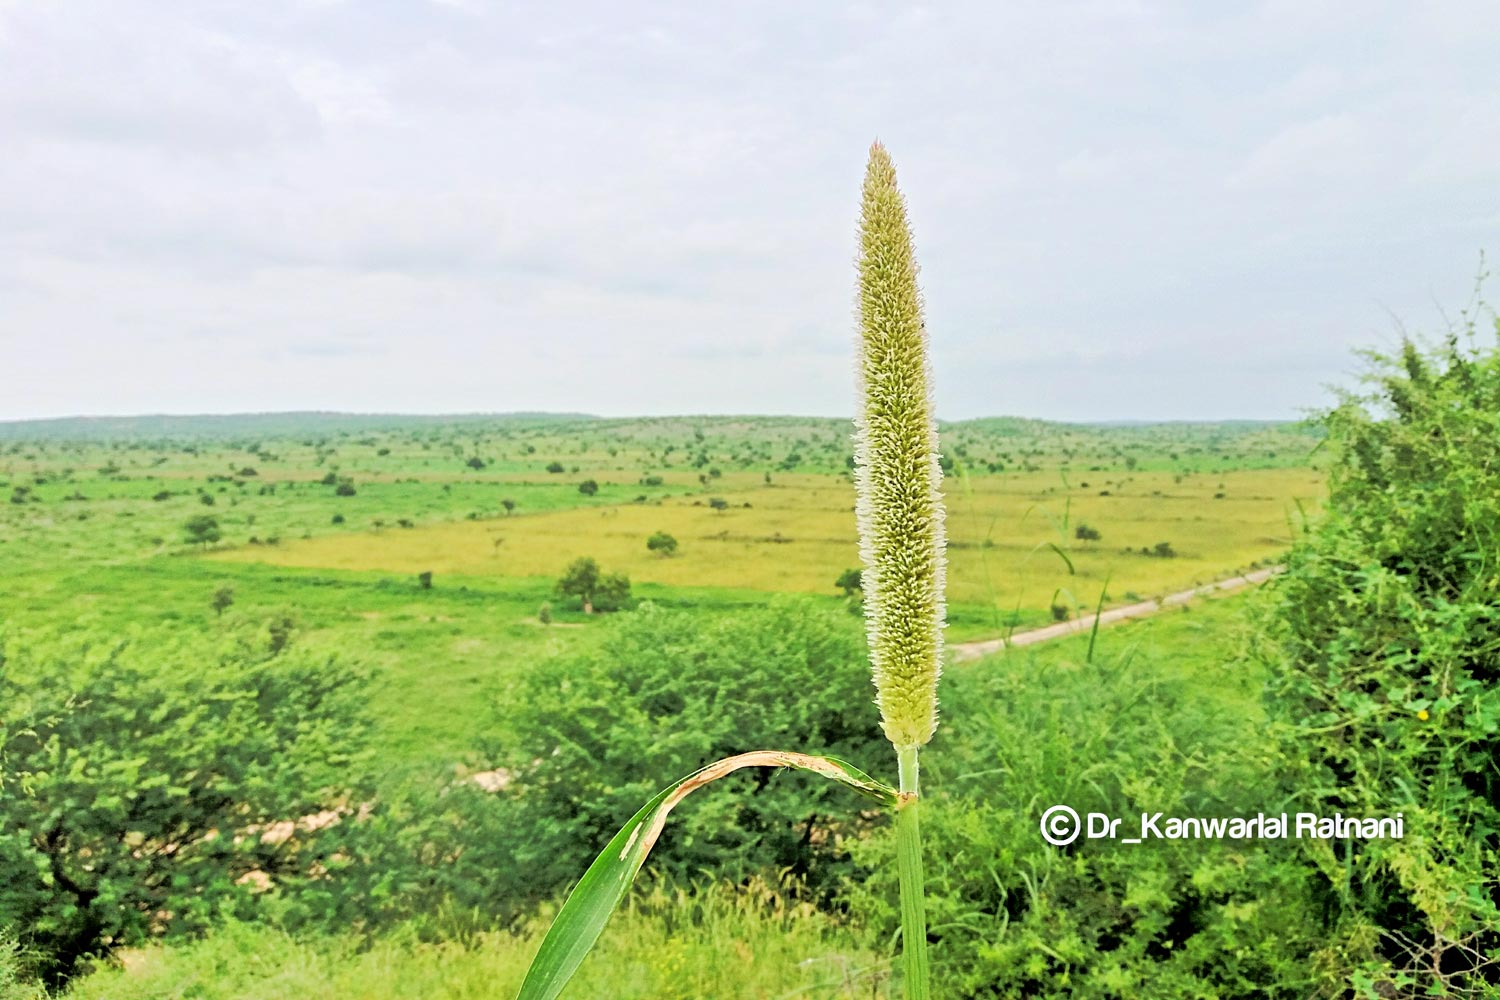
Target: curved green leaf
<point x="582" y="918"/>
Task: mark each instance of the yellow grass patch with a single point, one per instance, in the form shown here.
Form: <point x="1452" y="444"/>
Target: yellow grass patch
<point x="799" y="534"/>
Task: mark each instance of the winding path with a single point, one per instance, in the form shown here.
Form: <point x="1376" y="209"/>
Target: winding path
<point x="964" y="651"/>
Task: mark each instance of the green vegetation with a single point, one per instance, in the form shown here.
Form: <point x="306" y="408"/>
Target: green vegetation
<point x="661" y="543"/>
<point x="1385" y="671"/>
<point x="596" y="591"/>
<point x="1362" y="681"/>
<point x="142" y="780"/>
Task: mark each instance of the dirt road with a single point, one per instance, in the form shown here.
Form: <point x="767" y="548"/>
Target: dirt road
<point x="973" y="650"/>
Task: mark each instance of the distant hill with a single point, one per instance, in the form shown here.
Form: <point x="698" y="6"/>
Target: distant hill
<point x="211" y="426"/>
<point x="222" y="425"/>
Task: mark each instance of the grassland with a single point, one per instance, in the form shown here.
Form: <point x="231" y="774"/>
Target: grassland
<point x="716" y="941"/>
<point x="93" y="538"/>
<point x="323" y="523"/>
<point x="797" y="533"/>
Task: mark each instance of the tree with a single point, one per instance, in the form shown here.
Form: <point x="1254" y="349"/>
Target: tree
<point x="1084" y="533"/>
<point x="222" y="599"/>
<point x="588" y="487"/>
<point x="202" y="530"/>
<point x="345" y="488"/>
<point x="139" y="780"/>
<point x="424" y="579"/>
<point x="555" y="467"/>
<point x="476" y="463"/>
<point x="595" y="590"/>
<point x="509" y="505"/>
<point x="662" y="543"/>
<point x="851" y="582"/>
<point x="718" y="503"/>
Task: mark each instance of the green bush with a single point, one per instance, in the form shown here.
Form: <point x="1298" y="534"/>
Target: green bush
<point x="136" y="779"/>
<point x="1385" y="658"/>
<point x="595" y="590"/>
<point x="599" y="732"/>
<point x="16" y="980"/>
<point x="1013" y="916"/>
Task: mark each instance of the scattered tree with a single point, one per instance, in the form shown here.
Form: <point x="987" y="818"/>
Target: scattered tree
<point x="662" y="543"/>
<point x="555" y="467"/>
<point x="851" y="582"/>
<point x="1084" y="533"/>
<point x="424" y="579"/>
<point x="596" y="591"/>
<point x="509" y="505"/>
<point x="203" y="530"/>
<point x="718" y="503"/>
<point x="588" y="487"/>
<point x="222" y="599"/>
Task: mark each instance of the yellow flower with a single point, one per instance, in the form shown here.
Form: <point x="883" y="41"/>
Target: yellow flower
<point x="1423" y="715"/>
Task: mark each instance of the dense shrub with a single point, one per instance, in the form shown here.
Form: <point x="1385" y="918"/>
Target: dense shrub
<point x="1012" y="916"/>
<point x="664" y="692"/>
<point x="136" y="778"/>
<point x="1385" y="661"/>
<point x="595" y="590"/>
<point x="589" y="738"/>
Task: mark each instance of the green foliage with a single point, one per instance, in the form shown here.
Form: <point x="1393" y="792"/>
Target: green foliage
<point x="588" y="487"/>
<point x="662" y="543"/>
<point x="666" y="692"/>
<point x="595" y="590"/>
<point x="1140" y="729"/>
<point x="223" y="598"/>
<point x="609" y="879"/>
<point x="16" y="979"/>
<point x="851" y="582"/>
<point x="202" y="529"/>
<point x="137" y="774"/>
<point x="1385" y="661"/>
<point x="725" y="943"/>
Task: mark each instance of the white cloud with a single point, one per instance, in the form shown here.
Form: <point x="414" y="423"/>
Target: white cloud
<point x="469" y="206"/>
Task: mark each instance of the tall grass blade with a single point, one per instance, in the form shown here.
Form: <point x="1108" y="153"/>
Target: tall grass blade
<point x="582" y="918"/>
<point x="1098" y="613"/>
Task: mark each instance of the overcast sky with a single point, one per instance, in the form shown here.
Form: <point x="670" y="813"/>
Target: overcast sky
<point x="1122" y="209"/>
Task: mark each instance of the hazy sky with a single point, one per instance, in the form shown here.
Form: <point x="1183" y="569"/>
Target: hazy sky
<point x="1122" y="209"/>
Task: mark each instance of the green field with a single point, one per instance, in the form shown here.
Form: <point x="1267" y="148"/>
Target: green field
<point x="323" y="524"/>
<point x="93" y="537"/>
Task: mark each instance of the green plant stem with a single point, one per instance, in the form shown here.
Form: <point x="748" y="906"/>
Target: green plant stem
<point x="909" y="869"/>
